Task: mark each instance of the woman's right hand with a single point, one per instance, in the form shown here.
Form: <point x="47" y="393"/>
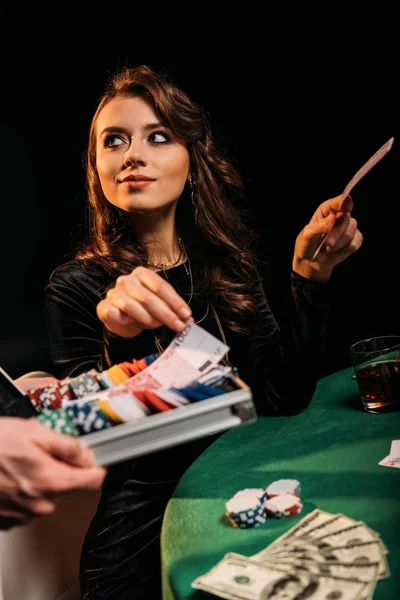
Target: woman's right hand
<point x="142" y="300"/>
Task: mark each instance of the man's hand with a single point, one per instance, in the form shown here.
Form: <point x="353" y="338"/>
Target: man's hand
<point x="36" y="465"/>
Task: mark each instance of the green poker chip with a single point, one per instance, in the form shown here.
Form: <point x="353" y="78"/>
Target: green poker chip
<point x="58" y="420"/>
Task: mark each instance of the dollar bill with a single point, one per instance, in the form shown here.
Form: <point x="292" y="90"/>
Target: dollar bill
<point x="313" y="519"/>
<point x="338" y="523"/>
<point x="237" y="577"/>
<point x="363" y="572"/>
<point x="350" y="536"/>
<point x="357" y="554"/>
<point x="324" y="526"/>
<point x="368" y="591"/>
<point x="324" y="555"/>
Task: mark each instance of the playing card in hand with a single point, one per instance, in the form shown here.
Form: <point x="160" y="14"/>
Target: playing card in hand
<point x="371" y="162"/>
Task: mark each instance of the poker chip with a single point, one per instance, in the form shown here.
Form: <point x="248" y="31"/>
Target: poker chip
<point x="52" y="397"/>
<point x="34" y="396"/>
<point x="158" y="403"/>
<point x="88" y="417"/>
<point x="58" y="420"/>
<point x="278" y="500"/>
<point x="142" y="364"/>
<point x="126" y="367"/>
<point x="284" y="486"/>
<point x="86" y="383"/>
<point x="255" y="492"/>
<point x="105" y="381"/>
<point x="245" y="511"/>
<point x="117" y="374"/>
<point x="151" y="358"/>
<point x="283" y="505"/>
<point x="109" y="412"/>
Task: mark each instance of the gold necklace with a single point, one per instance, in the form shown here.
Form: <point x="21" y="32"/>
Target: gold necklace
<point x="164" y="266"/>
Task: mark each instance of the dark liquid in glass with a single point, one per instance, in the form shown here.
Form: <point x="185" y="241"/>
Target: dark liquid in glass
<point x="379" y="385"/>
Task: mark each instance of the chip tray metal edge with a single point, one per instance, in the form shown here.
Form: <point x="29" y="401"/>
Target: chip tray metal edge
<point x="171" y="428"/>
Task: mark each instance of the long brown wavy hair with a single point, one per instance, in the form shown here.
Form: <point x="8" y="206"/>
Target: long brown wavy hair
<point x="220" y="244"/>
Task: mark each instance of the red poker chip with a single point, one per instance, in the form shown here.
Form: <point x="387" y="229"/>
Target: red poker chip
<point x="34" y="396"/>
<point x="127" y="368"/>
<point x="283" y="505"/>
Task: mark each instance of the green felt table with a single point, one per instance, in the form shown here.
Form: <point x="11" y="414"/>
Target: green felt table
<point x="332" y="448"/>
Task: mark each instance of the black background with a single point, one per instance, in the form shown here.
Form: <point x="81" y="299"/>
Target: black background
<point x="301" y="101"/>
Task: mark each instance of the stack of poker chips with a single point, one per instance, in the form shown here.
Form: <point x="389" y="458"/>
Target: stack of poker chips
<point x="251" y="507"/>
<point x="283" y="505"/>
<point x="90" y="382"/>
<point x="93" y="401"/>
<point x="246" y="508"/>
<point x="283" y="498"/>
<point x="58" y="405"/>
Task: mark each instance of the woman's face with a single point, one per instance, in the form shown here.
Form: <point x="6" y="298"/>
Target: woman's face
<point x="131" y="144"/>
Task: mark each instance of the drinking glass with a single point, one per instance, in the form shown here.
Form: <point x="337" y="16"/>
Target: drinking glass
<point x="376" y="363"/>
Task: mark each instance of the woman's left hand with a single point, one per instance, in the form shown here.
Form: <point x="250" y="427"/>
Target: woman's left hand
<point x="344" y="238"/>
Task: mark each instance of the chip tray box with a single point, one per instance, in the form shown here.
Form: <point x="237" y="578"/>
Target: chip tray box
<point x="174" y="427"/>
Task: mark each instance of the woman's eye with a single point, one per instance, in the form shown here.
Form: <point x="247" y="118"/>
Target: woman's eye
<point x="159" y="137"/>
<point x="113" y="140"/>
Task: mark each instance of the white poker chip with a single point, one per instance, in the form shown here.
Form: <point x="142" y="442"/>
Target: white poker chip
<point x="255" y="492"/>
<point x="245" y="511"/>
<point x="283" y="486"/>
<point x="242" y="503"/>
<point x="283" y="505"/>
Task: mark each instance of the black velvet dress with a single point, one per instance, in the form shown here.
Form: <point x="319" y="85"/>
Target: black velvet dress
<point x="280" y="362"/>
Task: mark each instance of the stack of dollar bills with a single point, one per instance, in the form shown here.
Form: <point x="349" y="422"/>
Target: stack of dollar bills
<point x="323" y="556"/>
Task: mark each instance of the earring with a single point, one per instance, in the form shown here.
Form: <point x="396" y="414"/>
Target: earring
<point x="193" y="197"/>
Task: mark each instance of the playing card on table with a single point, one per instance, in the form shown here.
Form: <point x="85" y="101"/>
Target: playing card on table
<point x="393" y="458"/>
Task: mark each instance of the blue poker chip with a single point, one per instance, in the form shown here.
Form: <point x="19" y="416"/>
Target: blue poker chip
<point x="87" y="417"/>
<point x="245" y="511"/>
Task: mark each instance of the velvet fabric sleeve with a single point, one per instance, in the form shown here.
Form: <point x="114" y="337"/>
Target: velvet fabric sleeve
<point x="286" y="351"/>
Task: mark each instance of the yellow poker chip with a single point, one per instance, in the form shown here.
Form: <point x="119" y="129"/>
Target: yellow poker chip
<point x="109" y="412"/>
<point x="117" y="374"/>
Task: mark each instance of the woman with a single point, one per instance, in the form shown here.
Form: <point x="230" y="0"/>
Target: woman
<point x="167" y="242"/>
